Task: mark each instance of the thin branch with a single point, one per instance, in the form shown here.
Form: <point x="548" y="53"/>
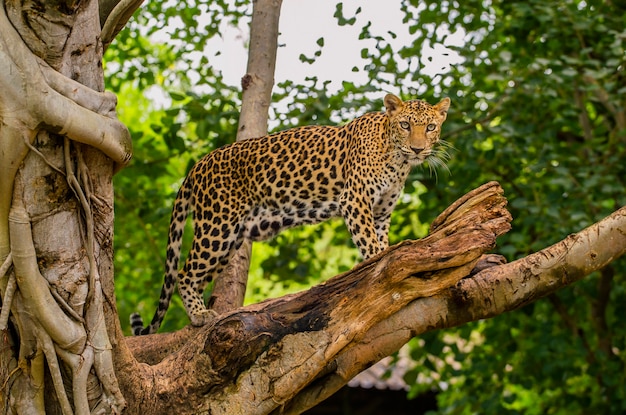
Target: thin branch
<point x="117" y="19"/>
<point x="618" y="113"/>
<point x="583" y="115"/>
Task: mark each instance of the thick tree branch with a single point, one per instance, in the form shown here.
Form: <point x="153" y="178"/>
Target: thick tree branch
<point x="288" y="354"/>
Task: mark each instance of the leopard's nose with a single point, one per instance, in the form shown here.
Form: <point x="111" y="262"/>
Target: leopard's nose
<point x="417" y="150"/>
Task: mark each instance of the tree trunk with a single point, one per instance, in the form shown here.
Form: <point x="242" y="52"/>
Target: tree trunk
<point x="56" y="211"/>
<point x="230" y="289"/>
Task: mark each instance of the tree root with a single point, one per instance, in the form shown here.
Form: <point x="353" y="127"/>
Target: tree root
<point x="33" y="287"/>
<point x="7" y="298"/>
<point x="116" y="20"/>
<point x="80" y="346"/>
<point x="35" y="97"/>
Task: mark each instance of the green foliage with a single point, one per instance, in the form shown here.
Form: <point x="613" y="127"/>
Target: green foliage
<point x="341" y="19"/>
<point x="538" y="104"/>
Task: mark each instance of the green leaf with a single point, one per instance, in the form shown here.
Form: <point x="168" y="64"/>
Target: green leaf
<point x="341" y="19"/>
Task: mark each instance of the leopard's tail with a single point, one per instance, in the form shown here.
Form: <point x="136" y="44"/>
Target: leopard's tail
<point x="174" y="241"/>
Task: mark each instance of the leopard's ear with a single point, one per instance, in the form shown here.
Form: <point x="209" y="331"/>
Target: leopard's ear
<point x="443" y="106"/>
<point x="393" y="104"/>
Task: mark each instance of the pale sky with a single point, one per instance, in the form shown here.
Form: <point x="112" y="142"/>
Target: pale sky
<point x="302" y="22"/>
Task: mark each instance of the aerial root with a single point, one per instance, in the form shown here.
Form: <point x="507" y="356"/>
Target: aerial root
<point x="47" y="346"/>
<point x="7" y="298"/>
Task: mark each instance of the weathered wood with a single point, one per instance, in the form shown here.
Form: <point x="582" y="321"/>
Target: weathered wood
<point x="493" y="290"/>
<point x="285" y="355"/>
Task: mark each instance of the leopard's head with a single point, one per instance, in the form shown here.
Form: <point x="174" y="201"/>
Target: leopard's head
<point x="415" y="126"/>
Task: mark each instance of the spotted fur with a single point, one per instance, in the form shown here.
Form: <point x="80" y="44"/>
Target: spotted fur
<point x="258" y="187"/>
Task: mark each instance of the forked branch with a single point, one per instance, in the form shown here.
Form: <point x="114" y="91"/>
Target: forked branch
<point x="285" y="355"/>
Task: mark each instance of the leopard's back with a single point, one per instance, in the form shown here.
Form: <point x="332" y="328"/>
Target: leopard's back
<point x="275" y="182"/>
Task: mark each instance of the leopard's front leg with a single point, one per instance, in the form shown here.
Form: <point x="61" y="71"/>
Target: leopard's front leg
<point x="383" y="208"/>
<point x="381" y="224"/>
<point x="358" y="215"/>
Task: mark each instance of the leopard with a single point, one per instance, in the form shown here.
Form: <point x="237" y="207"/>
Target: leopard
<point x="258" y="187"/>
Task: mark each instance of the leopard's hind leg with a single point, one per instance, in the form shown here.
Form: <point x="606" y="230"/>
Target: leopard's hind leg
<point x="212" y="248"/>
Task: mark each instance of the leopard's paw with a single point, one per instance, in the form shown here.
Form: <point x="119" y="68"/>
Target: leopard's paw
<point x="203" y="317"/>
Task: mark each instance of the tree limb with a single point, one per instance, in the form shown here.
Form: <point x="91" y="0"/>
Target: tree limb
<point x="286" y="355"/>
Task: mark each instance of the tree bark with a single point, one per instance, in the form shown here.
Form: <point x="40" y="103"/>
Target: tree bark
<point x="257" y="358"/>
<point x="229" y="289"/>
<point x="60" y="142"/>
<point x="491" y="292"/>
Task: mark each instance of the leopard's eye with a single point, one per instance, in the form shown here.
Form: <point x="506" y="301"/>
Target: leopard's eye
<point x="431" y="127"/>
<point x="405" y="125"/>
